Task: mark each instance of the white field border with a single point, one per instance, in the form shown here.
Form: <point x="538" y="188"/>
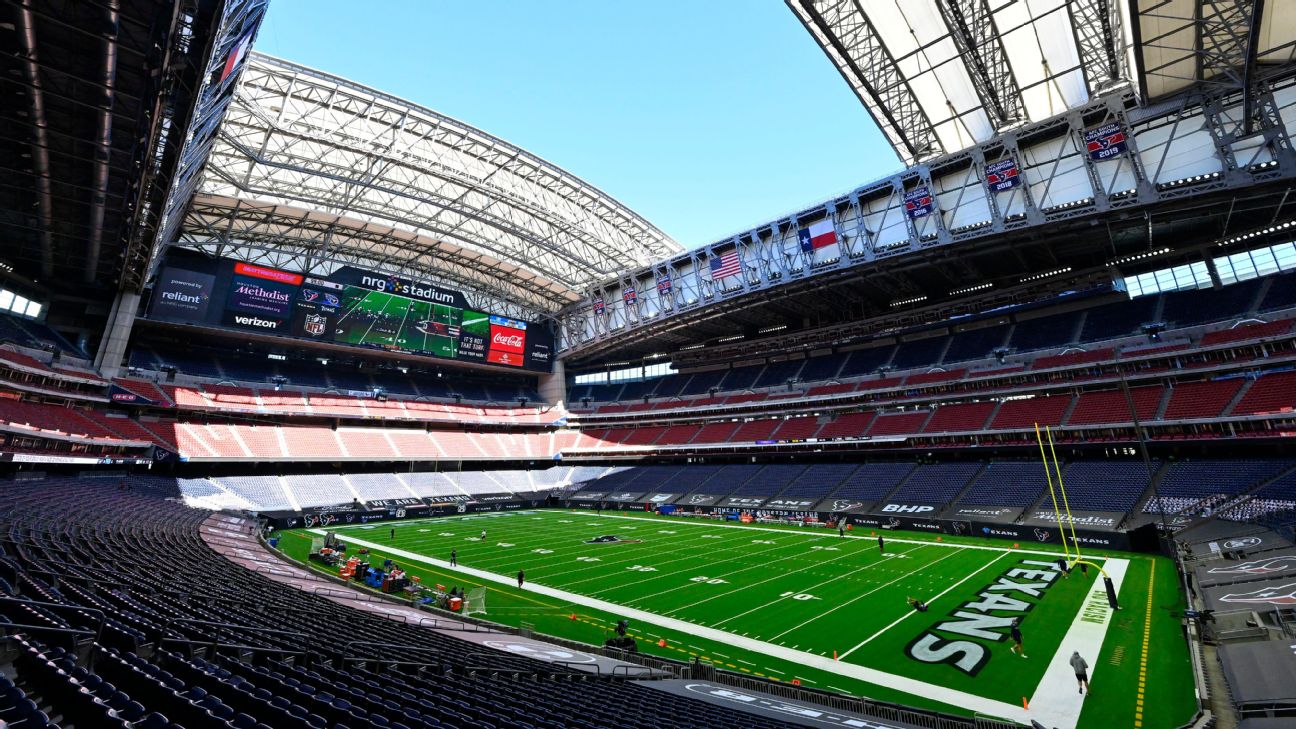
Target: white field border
<point x="1054" y="701"/>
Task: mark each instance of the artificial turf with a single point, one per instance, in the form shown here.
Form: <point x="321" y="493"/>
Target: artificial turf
<point x="808" y="590"/>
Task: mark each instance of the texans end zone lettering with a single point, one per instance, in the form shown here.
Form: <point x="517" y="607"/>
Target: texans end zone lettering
<point x="1106" y="141"/>
<point x="962" y="639"/>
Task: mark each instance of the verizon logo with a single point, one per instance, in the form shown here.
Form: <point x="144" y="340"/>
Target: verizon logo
<point x="253" y="321"/>
<point x="507" y="340"/>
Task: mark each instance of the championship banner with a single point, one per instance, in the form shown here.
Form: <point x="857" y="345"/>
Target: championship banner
<point x="1106" y="141"/>
<point x="1002" y="175"/>
<point x="664" y="284"/>
<point x="918" y="202"/>
<point x="630" y="296"/>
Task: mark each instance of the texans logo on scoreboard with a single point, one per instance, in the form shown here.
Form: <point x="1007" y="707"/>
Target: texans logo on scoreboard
<point x="1106" y="141"/>
<point x="314" y="325"/>
<point x="309" y="294"/>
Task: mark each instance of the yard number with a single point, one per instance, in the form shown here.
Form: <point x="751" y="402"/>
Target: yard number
<point x="800" y="596"/>
<point x="826" y="549"/>
<point x="504" y="544"/>
<point x="447" y="534"/>
<point x="641" y="568"/>
<point x="587" y="559"/>
<point x="708" y="580"/>
<point x="542" y="551"/>
<point x="761" y="541"/>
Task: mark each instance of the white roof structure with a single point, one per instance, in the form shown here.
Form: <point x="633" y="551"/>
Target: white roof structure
<point x="313" y="171"/>
<point x="940" y="76"/>
<point x="1185" y="43"/>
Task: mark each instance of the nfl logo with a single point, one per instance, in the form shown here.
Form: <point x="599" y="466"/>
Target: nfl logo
<point x="314" y="325"/>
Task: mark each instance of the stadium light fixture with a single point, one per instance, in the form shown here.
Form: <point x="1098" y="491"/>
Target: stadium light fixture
<point x="733" y="338"/>
<point x="903" y="302"/>
<point x="772" y="329"/>
<point x="692" y="347"/>
<point x="970" y="289"/>
<point x="1138" y="256"/>
<point x="1046" y="274"/>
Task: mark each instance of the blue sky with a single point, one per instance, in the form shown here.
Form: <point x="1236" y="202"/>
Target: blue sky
<point x="705" y="116"/>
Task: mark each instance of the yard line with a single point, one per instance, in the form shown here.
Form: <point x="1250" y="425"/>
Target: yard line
<point x="687" y="544"/>
<point x="786" y="574"/>
<point x="953" y="697"/>
<point x="907" y="615"/>
<point x="821" y="584"/>
<point x="709" y="566"/>
<point x="889" y="539"/>
<point x="860" y="597"/>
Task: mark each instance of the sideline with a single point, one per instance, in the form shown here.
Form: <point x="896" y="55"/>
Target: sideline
<point x="975" y="703"/>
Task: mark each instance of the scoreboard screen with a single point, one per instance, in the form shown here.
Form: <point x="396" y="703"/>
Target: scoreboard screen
<point x="351" y="306"/>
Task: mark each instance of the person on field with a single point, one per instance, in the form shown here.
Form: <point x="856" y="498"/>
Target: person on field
<point x="881" y="544"/>
<point x="483" y="536"/>
<point x="393" y="534"/>
<point x="1081" y="671"/>
<point x="454" y="558"/>
<point x="841" y="529"/>
<point x="918" y="605"/>
<point x="1062" y="567"/>
<point x="1017" y="638"/>
<point x="521" y="578"/>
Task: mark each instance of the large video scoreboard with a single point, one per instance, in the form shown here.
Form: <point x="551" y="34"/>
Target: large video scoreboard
<point x="350" y="306"/>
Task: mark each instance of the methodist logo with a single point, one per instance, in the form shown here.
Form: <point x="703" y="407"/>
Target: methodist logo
<point x="906" y="509"/>
<point x="961" y="639"/>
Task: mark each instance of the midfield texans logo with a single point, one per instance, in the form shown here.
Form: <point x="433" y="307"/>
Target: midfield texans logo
<point x="1259" y="566"/>
<point x="1280" y="595"/>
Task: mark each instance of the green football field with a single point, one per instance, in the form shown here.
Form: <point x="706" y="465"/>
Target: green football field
<point x="827" y="611"/>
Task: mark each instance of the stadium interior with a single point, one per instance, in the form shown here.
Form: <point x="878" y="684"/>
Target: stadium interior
<point x="249" y="309"/>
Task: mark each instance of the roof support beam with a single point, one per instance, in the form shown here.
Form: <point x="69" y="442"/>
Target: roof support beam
<point x="1249" y="67"/>
<point x="103" y="143"/>
<point x="1097" y="27"/>
<point x="40" y="144"/>
<point x="856" y="48"/>
<point x="972" y="29"/>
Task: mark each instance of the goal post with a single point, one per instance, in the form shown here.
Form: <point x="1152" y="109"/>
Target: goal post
<point x="475" y="601"/>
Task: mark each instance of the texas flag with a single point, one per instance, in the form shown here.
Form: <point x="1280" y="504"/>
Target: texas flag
<point x="817" y="236"/>
<point x="235" y="57"/>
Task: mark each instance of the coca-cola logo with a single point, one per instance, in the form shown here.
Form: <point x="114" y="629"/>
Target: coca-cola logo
<point x="507" y="340"/>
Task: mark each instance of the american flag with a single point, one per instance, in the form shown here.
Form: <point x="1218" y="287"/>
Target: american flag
<point x="726" y="265"/>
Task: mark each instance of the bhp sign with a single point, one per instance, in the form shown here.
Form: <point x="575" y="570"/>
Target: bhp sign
<point x="907" y="509"/>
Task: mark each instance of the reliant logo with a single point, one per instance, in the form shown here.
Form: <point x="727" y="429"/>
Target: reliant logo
<point x="986" y="618"/>
<point x="252" y="321"/>
<point x="906" y="509"/>
<point x="181" y="298"/>
<point x="510" y="340"/>
<point x="261" y="293"/>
